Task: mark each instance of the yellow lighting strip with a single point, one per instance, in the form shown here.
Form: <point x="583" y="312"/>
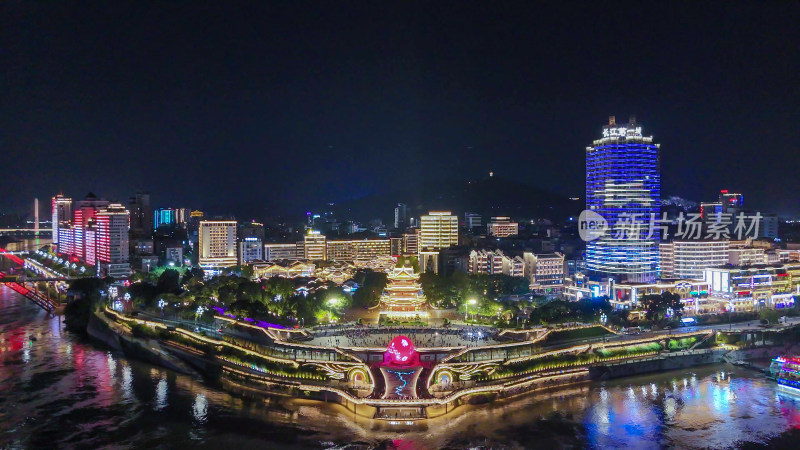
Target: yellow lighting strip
<point x="204" y="339"/>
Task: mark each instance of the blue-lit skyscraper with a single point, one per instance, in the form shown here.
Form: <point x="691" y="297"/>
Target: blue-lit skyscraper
<point x="623" y="185"/>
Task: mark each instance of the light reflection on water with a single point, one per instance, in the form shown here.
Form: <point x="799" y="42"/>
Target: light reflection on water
<point x="60" y="390"/>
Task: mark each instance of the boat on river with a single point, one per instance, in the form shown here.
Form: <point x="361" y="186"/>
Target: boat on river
<point x="786" y="372"/>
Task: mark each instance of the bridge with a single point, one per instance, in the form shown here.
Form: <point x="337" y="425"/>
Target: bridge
<point x="33" y="295"/>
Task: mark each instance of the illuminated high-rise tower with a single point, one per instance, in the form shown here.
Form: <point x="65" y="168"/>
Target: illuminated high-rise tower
<point x="623" y="185"/>
<point x="62" y="213"/>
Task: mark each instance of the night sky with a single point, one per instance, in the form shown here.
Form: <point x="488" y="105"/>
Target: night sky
<point x="277" y="106"/>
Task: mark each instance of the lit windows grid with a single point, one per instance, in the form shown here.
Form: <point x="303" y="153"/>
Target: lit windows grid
<point x="622" y="177"/>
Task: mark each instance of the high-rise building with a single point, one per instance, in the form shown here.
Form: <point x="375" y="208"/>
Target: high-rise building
<point x="250" y="249"/>
<point x="731" y="202"/>
<point x="502" y="227"/>
<point x="315" y="246"/>
<point x="142" y="221"/>
<point x="401" y="216"/>
<point x="472" y="220"/>
<point x="217" y="245"/>
<point x="164" y="217"/>
<point x="112" y="248"/>
<point x="710" y="210"/>
<point x="438" y="230"/>
<point x="689" y="258"/>
<point x="623" y="186"/>
<point x="62" y="213"/>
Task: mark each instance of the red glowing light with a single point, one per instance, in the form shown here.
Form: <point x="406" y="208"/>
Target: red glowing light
<point x="401" y="352"/>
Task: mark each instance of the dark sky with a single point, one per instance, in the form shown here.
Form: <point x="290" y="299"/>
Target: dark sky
<point x="241" y="107"/>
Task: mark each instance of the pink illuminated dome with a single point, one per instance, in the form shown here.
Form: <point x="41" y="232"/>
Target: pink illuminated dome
<point x="401" y="351"/>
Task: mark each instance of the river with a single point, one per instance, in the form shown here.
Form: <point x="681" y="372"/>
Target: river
<point x="59" y="390"/>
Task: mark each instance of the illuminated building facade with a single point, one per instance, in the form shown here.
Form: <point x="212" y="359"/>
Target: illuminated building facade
<point x="438" y="230"/>
<point x="502" y="227"/>
<point x="623" y="181"/>
<point x="748" y="288"/>
<point x="170" y="216"/>
<point x="730" y="201"/>
<point x="411" y="242"/>
<point x="688" y="259"/>
<point x="217" y="245"/>
<point x="62" y="213"/>
<point x="488" y="262"/>
<point x="113" y="248"/>
<point x="250" y="249"/>
<point x="710" y="210"/>
<point x="314" y="246"/>
<point x="546" y="271"/>
<point x="277" y="252"/>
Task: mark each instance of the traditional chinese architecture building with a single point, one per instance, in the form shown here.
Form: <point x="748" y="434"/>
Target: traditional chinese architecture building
<point x="403" y="294"/>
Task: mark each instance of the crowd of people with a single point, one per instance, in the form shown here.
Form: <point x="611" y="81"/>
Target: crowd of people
<point x="373" y="337"/>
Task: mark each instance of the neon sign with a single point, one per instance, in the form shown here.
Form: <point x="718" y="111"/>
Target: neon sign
<point x="622" y="132"/>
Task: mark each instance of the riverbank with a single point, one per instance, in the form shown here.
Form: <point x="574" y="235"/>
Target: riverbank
<point x="189" y="353"/>
<point x="63" y="382"/>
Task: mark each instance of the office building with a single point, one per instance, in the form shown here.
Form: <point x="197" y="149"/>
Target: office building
<point x="710" y="210"/>
<point x="112" y="248"/>
<point x="278" y="252"/>
<point x="61" y="212"/>
<point x="489" y="262"/>
<point x="730" y="202"/>
<point x="438" y="231"/>
<point x="546" y="271"/>
<point x="216" y="245"/>
<point x="401" y="216"/>
<point x="502" y="227"/>
<point x="688" y="259"/>
<point x="250" y="249"/>
<point x="411" y="242"/>
<point x="746" y="255"/>
<point x="623" y="181"/>
<point x="174" y="255"/>
<point x="769" y="226"/>
<point x="142" y="218"/>
<point x="472" y="221"/>
<point x="314" y="246"/>
<point x="164" y="217"/>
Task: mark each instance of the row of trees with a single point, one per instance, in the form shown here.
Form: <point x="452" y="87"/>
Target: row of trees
<point x="455" y="290"/>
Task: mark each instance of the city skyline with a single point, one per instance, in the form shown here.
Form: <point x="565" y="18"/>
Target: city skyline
<point x="204" y="125"/>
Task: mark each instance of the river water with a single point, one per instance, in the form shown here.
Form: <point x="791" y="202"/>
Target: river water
<point x="62" y="391"/>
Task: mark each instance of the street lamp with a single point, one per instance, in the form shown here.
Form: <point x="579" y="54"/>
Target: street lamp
<point x="603" y="318"/>
<point x="161" y="304"/>
<point x="466" y="307"/>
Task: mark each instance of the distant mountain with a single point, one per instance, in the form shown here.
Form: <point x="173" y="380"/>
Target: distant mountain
<point x="491" y="196"/>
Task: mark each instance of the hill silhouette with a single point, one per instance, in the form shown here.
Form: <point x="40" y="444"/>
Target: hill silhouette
<point x="491" y="196"/>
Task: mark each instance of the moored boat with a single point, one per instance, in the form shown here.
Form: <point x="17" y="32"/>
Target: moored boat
<point x="788" y="375"/>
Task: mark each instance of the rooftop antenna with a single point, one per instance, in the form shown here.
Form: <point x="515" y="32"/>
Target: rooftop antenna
<point x="633" y="120"/>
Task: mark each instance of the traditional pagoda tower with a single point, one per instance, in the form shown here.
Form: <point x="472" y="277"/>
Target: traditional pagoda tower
<point x="403" y="294"/>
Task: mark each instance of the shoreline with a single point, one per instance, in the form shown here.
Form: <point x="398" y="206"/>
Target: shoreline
<point x="221" y="375"/>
